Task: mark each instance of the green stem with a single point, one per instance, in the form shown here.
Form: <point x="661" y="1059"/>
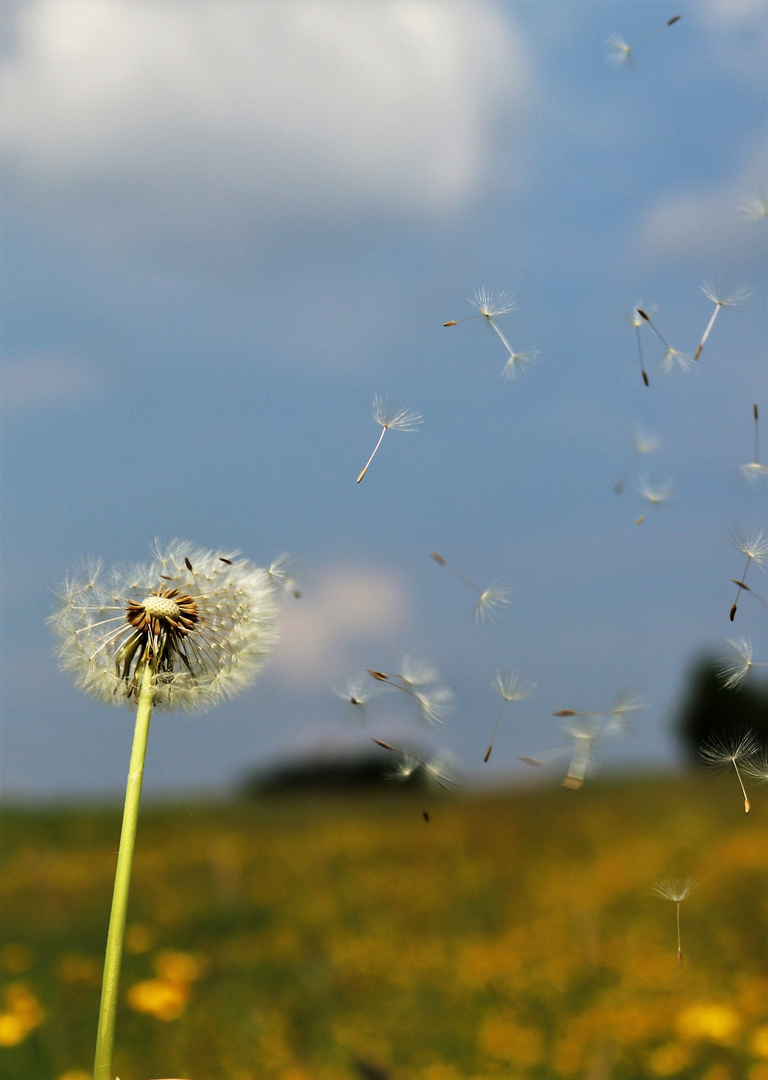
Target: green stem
<point x="105" y="1035"/>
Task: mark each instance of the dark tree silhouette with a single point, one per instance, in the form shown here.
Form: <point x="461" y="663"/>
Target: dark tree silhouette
<point x="710" y="709"/>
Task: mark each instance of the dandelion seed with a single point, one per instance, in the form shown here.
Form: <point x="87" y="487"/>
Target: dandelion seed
<point x="517" y="362"/>
<point x="404" y="420"/>
<point x="491" y="306"/>
<point x="739" y="296"/>
<point x="753" y="470"/>
<point x="356" y="695"/>
<point x="434" y="774"/>
<point x="280" y="572"/>
<point x="655" y="495"/>
<point x="188" y="629"/>
<point x="672" y="357"/>
<point x="723" y="752"/>
<point x="643" y="444"/>
<point x="676" y="889"/>
<point x="617" y="50"/>
<point x="486" y="608"/>
<point x="755" y="546"/>
<point x="588" y="729"/>
<point x="734" y="671"/>
<point x="636" y="320"/>
<point x="511" y="689"/>
<point x="755" y="209"/>
<point x="420" y="682"/>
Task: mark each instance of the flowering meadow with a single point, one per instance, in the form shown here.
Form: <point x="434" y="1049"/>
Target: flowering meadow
<point x="297" y="938"/>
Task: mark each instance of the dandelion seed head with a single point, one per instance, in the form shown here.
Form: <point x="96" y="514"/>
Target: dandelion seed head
<point x="673" y="359"/>
<point x="735" y="670"/>
<point x="722" y="751"/>
<point x="492" y="305"/>
<point x="402" y="420"/>
<point x="738" y="296"/>
<point x="356" y="694"/>
<point x="517" y="362"/>
<point x="655" y="494"/>
<point x="675" y="888"/>
<point x="511" y="687"/>
<point x="491" y="599"/>
<point x="757" y="767"/>
<point x="752" y="543"/>
<point x="754" y="472"/>
<point x="645" y="443"/>
<point x="205" y="623"/>
<point x="754" y="209"/>
<point x="617" y="50"/>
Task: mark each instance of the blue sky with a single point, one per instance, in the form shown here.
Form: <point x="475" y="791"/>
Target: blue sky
<point x="227" y="226"/>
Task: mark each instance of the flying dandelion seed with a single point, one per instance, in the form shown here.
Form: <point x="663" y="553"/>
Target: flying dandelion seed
<point x="676" y="889"/>
<point x="753" y="470"/>
<point x="734" y="671"/>
<point x="420" y="681"/>
<point x="643" y="444"/>
<point x="672" y="357"/>
<point x="356" y="695"/>
<point x="656" y="495"/>
<point x="636" y="320"/>
<point x="517" y="362"/>
<point x="739" y="296"/>
<point x="404" y="420"/>
<point x="511" y="689"/>
<point x="720" y="753"/>
<point x="486" y="608"/>
<point x="490" y="307"/>
<point x="755" y="546"/>
<point x="280" y="572"/>
<point x="755" y="209"/>
<point x="588" y="730"/>
<point x="618" y="52"/>
<point x="434" y="774"/>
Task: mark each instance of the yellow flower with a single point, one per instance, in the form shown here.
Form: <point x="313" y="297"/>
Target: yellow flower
<point x="161" y="998"/>
<point x="24" y="1013"/>
<point x="707" y="1020"/>
<point x="177" y="966"/>
<point x="669" y="1059"/>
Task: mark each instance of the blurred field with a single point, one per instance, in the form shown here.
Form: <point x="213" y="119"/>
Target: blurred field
<point x="515" y="935"/>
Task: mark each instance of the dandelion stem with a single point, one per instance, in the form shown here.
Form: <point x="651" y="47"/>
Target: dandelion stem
<point x="370" y="459"/>
<point x="105" y="1035"/>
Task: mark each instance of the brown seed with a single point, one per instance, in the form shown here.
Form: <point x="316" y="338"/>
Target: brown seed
<point x="187" y="563"/>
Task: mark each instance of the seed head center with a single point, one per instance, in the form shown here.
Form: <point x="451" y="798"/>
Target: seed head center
<point x="162" y="607"/>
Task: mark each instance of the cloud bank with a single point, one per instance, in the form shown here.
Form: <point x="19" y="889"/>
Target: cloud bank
<point x="138" y="117"/>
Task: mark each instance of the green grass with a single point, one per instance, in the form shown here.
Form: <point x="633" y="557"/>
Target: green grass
<point x="516" y="935"/>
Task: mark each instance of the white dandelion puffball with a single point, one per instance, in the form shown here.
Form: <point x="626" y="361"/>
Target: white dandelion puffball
<point x="204" y="621"/>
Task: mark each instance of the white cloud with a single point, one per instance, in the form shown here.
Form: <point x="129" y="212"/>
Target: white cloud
<point x="345" y="607"/>
<point x="708" y="220"/>
<point x="177" y="117"/>
<point x="39" y="382"/>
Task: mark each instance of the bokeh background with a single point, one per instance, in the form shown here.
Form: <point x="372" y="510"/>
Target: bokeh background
<point x="228" y="225"/>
